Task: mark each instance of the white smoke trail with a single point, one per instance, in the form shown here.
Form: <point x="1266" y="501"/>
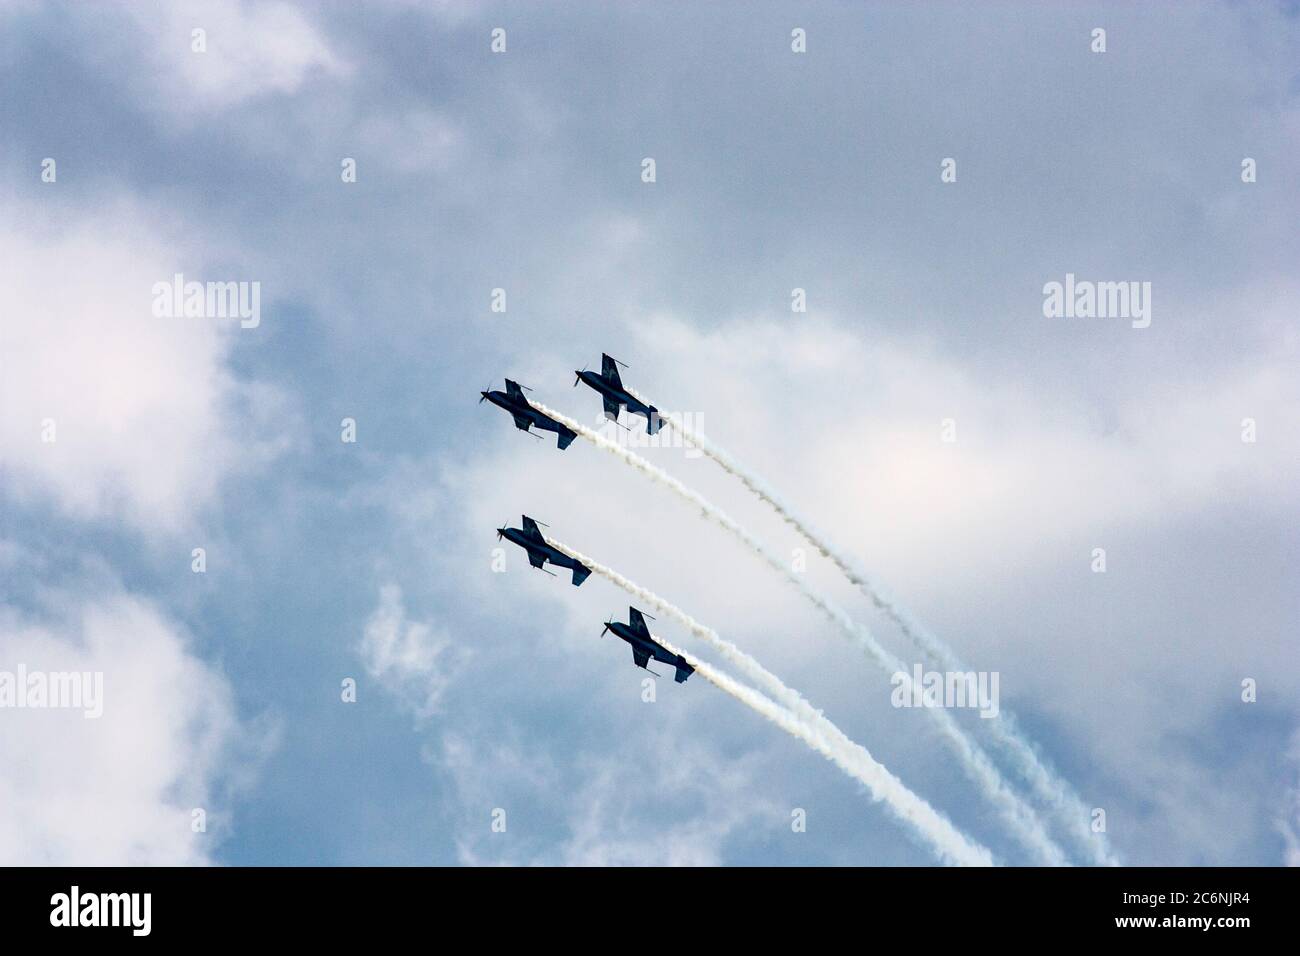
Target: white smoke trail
<point x="951" y="845"/>
<point x="747" y="665"/>
<point x="1021" y="818"/>
<point x="1043" y="781"/>
<point x="799" y="719"/>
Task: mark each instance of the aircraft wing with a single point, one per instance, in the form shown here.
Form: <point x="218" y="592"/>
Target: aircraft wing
<point x="639" y="657"/>
<point x="536" y="559"/>
<point x="611" y="409"/>
<point x="513" y="390"/>
<point x="637" y="622"/>
<point x="531" y="529"/>
<point x="522" y="422"/>
<point x="609" y="372"/>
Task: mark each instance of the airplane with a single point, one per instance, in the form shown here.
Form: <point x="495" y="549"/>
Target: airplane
<point x="513" y="401"/>
<point x="645" y="647"/>
<point x="612" y="391"/>
<point x="529" y="537"/>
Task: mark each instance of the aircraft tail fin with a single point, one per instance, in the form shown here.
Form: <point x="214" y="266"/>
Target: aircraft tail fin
<point x="652" y="421"/>
<point x="580" y="574"/>
<point x="684" y="670"/>
<point x="566" y="438"/>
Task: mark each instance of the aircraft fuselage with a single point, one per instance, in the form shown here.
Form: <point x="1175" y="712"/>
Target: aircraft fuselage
<point x="616" y="395"/>
<point x="649" y="645"/>
<point x="533" y="547"/>
<point x="522" y="408"/>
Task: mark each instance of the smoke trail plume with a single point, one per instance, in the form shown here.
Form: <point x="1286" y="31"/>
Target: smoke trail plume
<point x="1043" y="781"/>
<point x="799" y="719"/>
<point x="750" y="667"/>
<point x="1020" y="817"/>
<point x="946" y="840"/>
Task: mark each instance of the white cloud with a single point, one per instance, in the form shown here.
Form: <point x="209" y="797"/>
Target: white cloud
<point x="148" y="418"/>
<point x="411" y="141"/>
<point x="856" y="425"/>
<point x="1289" y="822"/>
<point x="680" y="809"/>
<point x="120" y="789"/>
<point x="606" y="828"/>
<point x="411" y="659"/>
<point x="253" y="49"/>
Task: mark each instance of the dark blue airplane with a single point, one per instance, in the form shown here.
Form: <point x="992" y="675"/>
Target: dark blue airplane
<point x="645" y="647"/>
<point x="513" y="401"/>
<point x="615" y="395"/>
<point x="539" y="552"/>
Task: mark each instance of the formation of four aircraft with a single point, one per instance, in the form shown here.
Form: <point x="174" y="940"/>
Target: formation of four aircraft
<point x="529" y="537"/>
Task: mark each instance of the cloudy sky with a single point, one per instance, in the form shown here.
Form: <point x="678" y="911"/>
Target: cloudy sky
<point x="479" y="689"/>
